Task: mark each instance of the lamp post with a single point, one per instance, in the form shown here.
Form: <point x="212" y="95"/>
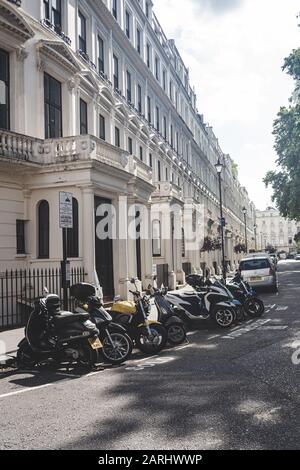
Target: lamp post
<point x="245" y="222"/>
<point x="255" y="236"/>
<point x="219" y="167"/>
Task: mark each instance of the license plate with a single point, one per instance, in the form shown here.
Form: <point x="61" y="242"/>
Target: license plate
<point x="256" y="278"/>
<point x="95" y="343"/>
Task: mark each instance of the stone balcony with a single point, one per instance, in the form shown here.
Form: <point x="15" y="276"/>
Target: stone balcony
<point x="165" y="189"/>
<point x="29" y="150"/>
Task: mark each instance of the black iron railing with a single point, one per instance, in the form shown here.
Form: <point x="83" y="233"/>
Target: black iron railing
<point x="19" y="289"/>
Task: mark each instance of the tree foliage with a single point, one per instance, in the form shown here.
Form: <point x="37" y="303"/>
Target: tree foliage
<point x="285" y="181"/>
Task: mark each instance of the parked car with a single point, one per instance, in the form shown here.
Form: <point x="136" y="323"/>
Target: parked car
<point x="291" y="256"/>
<point x="298" y="257"/>
<point x="259" y="272"/>
<point x="282" y="255"/>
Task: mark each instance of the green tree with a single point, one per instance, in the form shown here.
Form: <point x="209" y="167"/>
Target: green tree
<point x="285" y="181"/>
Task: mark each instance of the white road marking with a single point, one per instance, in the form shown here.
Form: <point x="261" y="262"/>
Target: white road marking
<point x="243" y="330"/>
<point x="275" y="327"/>
<point x="213" y="337"/>
<point x="29" y="389"/>
<point x="281" y="308"/>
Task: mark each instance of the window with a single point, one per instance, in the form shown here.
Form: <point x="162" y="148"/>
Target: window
<point x="53" y="107"/>
<point x="116" y="73"/>
<point x="171" y="91"/>
<point x="127" y="24"/>
<point x="150" y="160"/>
<point x="157" y="68"/>
<point x="167" y="174"/>
<point x="147" y="10"/>
<point x="165" y="127"/>
<point x="117" y="137"/>
<point x="128" y="89"/>
<point x="158" y="170"/>
<point x="83" y="118"/>
<point x="20" y="234"/>
<point x="82" y="32"/>
<point x="148" y="55"/>
<point x="182" y="243"/>
<point x="72" y="233"/>
<point x="164" y="80"/>
<point x="171" y="143"/>
<point x="130" y="148"/>
<point x="43" y="229"/>
<point x="149" y="109"/>
<point x="140" y="107"/>
<point x="4" y="90"/>
<point x="138" y="40"/>
<point x="156" y="238"/>
<point x="115" y="9"/>
<point x="101" y="127"/>
<point x="100" y="55"/>
<point x="52" y="13"/>
<point x="141" y="154"/>
<point x="157" y="119"/>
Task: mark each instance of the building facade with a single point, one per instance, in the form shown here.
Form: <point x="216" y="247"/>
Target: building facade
<point x="96" y="101"/>
<point x="274" y="230"/>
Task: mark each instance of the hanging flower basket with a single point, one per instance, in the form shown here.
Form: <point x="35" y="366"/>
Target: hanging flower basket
<point x="207" y="245"/>
<point x="217" y="244"/>
<point x="240" y="248"/>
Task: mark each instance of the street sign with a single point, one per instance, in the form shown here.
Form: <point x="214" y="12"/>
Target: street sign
<point x="222" y="221"/>
<point x="65" y="210"/>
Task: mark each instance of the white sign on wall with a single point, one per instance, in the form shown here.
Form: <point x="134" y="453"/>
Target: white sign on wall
<point x="65" y="210"/>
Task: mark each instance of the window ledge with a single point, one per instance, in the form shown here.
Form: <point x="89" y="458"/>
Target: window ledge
<point x="21" y="256"/>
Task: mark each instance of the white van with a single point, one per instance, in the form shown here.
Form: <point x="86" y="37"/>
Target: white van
<point x="259" y="271"/>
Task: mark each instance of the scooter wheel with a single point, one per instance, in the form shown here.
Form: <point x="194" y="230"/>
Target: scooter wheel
<point x="176" y="334"/>
<point x="254" y="307"/>
<point x="153" y="344"/>
<point x="223" y="317"/>
<point x="118" y="352"/>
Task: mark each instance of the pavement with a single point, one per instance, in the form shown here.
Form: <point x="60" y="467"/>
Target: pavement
<point x="233" y="389"/>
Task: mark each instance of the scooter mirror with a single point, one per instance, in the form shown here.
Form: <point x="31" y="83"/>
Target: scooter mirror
<point x="45" y="291"/>
<point x="132" y="280"/>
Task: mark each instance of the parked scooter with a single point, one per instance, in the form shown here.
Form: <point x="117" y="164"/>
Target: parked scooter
<point x="59" y="336"/>
<point x="165" y="314"/>
<point x="149" y="336"/>
<point x="201" y="285"/>
<point x="209" y="303"/>
<point x="116" y="344"/>
<point x="241" y="290"/>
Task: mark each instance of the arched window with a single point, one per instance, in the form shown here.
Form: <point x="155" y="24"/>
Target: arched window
<point x="43" y="229"/>
<point x="156" y="238"/>
<point x="72" y="233"/>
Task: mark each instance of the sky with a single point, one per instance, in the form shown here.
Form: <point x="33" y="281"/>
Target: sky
<point x="235" y="50"/>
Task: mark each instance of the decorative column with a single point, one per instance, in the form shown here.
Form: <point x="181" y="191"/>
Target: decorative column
<point x="87" y="230"/>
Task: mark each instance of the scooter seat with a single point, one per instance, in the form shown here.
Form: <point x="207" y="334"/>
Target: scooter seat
<point x="68" y="317"/>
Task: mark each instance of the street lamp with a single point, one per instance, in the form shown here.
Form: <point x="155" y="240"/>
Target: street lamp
<point x="219" y="167"/>
<point x="245" y="222"/>
<point x="255" y="236"/>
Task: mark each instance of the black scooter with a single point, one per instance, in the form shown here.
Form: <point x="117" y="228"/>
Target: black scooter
<point x="241" y="290"/>
<point x="116" y="344"/>
<point x="167" y="317"/>
<point x="55" y="335"/>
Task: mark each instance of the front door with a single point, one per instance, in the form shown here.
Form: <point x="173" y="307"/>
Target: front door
<point x="104" y="253"/>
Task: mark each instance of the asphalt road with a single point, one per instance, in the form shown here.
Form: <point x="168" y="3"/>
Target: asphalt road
<point x="237" y="389"/>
